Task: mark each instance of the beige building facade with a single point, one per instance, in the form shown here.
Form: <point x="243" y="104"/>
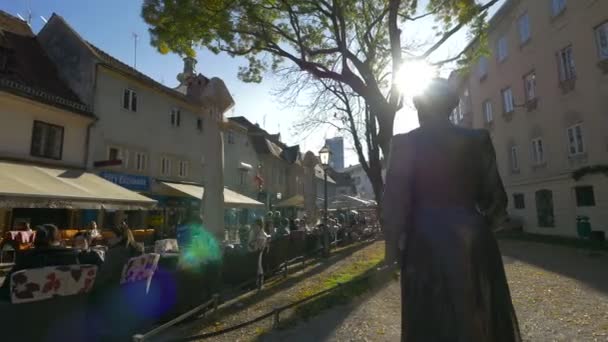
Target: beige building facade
<point x="166" y="142"/>
<point x="542" y="95"/>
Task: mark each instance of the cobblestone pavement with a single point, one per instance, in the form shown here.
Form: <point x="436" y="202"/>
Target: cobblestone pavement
<point x="559" y="293"/>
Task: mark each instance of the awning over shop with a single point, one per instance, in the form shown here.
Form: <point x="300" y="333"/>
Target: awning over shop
<point x="232" y="199"/>
<point x="345" y="202"/>
<point x="30" y="186"/>
<point x="296" y="201"/>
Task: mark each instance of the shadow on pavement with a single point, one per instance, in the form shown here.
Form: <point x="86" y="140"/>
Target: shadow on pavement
<point x="277" y="286"/>
<point x="578" y="264"/>
<point x="337" y="307"/>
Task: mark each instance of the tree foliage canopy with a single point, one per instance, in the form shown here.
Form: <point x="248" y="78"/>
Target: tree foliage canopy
<point x="354" y="46"/>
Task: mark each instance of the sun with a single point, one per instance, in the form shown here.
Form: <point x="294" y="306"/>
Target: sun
<point x="414" y="77"/>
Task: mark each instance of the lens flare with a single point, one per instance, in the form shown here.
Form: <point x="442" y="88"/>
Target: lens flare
<point x="202" y="249"/>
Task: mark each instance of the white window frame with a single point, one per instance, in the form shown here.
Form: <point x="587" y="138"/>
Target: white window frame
<point x="530" y="85"/>
<point x="576" y="140"/>
<point x="523" y="25"/>
<point x="483" y="67"/>
<point x="175" y="117"/>
<point x="508" y="103"/>
<point x="488" y="111"/>
<point x="557" y="7"/>
<point x="538" y="151"/>
<point x="141" y="161"/>
<point x="601" y="39"/>
<point x="183" y="168"/>
<point x="502" y="48"/>
<point x="45" y="143"/>
<point x="165" y="166"/>
<point x="132" y="100"/>
<point x="230" y="137"/>
<point x="567" y="68"/>
<point x="514" y="159"/>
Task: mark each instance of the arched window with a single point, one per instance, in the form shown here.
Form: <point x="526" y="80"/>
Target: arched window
<point x="544" y="208"/>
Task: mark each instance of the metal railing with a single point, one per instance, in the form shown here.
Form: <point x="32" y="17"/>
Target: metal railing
<point x="282" y="269"/>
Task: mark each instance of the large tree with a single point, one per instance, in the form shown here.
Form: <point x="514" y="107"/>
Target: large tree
<point x="353" y="48"/>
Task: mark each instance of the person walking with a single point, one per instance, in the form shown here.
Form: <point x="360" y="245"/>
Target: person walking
<point x="443" y="197"/>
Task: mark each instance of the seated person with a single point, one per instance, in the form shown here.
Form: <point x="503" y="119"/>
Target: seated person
<point x="85" y="254"/>
<point x="47" y="251"/>
<point x="121" y="248"/>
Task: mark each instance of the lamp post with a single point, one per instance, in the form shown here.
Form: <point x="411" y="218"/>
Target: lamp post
<point x="324" y="155"/>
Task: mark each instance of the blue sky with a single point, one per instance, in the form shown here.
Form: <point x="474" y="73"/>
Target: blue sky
<point x="110" y="24"/>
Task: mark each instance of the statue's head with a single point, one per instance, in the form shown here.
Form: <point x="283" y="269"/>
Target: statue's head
<point x="436" y="102"/>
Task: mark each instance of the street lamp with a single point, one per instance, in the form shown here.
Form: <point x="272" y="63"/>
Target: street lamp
<point x="324" y="155"/>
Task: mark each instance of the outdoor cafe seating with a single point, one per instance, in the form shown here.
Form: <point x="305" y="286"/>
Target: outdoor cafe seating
<point x="53" y="299"/>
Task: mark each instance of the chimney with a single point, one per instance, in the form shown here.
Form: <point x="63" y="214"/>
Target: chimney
<point x="189" y="67"/>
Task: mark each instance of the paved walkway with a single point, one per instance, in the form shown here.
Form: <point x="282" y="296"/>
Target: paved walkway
<point x="559" y="293"/>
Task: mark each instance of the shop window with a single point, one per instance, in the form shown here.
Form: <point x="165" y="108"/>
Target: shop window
<point x="585" y="196"/>
<point x="47" y="140"/>
<point x="544" y="208"/>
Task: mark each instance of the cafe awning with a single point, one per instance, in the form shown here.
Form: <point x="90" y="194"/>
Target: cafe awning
<point x="31" y="186"/>
<point x="232" y="199"/>
<point x="296" y="201"/>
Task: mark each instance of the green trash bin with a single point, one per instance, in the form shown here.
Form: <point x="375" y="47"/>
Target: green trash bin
<point x="583" y="227"/>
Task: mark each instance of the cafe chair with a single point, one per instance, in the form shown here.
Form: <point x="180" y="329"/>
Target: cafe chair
<point x="54" y="297"/>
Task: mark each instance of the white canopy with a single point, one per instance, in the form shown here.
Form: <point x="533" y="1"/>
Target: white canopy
<point x="30" y="186"/>
<point x="232" y="199"/>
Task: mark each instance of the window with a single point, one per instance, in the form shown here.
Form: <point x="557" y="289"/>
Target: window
<point x="524" y="28"/>
<point x="117" y="153"/>
<point x="113" y="153"/>
<point x="47" y="140"/>
<point x="519" y="201"/>
<point x="176" y="117"/>
<point x="488" y="111"/>
<point x="585" y="196"/>
<point x="601" y="36"/>
<point x="567" y="70"/>
<point x="183" y="168"/>
<point x="141" y="160"/>
<point x="129" y="100"/>
<point x="503" y="48"/>
<point x="514" y="158"/>
<point x="230" y="137"/>
<point x="199" y="124"/>
<point x="165" y="166"/>
<point x="483" y="67"/>
<point x="530" y="86"/>
<point x="538" y="152"/>
<point x="544" y="208"/>
<point x="575" y="140"/>
<point x="243" y="177"/>
<point x="507" y="100"/>
<point x="558" y="6"/>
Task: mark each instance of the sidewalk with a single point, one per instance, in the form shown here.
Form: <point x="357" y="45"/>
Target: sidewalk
<point x="559" y="293"/>
<point x="276" y="293"/>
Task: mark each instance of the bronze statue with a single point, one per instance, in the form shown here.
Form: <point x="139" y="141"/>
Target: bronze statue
<point x="443" y="198"/>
